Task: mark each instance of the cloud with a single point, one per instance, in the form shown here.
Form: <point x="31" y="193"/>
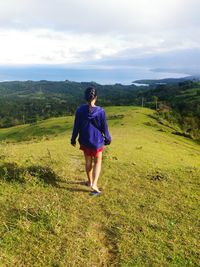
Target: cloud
<point x="100" y="16"/>
<point x="98" y="32"/>
<point x="45" y="46"/>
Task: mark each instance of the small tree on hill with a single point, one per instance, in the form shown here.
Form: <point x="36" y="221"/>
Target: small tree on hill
<point x="155" y="101"/>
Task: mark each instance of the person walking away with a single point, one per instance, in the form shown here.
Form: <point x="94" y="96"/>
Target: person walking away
<point x="90" y="126"/>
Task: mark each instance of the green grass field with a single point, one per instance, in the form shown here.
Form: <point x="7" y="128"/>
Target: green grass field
<point x="147" y="214"/>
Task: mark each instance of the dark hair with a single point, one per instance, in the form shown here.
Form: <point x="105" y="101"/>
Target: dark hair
<point x="90" y="94"/>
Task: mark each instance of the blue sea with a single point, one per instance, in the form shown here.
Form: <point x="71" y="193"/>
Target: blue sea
<point x="98" y="75"/>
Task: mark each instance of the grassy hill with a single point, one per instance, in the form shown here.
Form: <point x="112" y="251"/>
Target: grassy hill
<point x="147" y="214"/>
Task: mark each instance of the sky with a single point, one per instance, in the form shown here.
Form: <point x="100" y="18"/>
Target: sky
<point x="159" y="36"/>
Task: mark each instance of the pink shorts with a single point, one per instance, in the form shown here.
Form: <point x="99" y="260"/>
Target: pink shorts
<point x="91" y="152"/>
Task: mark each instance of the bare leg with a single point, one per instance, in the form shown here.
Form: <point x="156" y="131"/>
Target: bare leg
<point x="88" y="168"/>
<point x="96" y="171"/>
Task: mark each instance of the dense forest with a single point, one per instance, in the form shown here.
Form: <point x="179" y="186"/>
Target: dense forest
<point x="178" y="103"/>
<point x="29" y="101"/>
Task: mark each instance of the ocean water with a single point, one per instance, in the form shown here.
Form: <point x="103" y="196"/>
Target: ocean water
<point x="101" y="75"/>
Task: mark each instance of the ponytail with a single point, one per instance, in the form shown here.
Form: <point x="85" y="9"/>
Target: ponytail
<point x="90" y="94"/>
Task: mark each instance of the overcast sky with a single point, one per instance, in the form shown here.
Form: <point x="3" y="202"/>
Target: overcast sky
<point x="101" y="33"/>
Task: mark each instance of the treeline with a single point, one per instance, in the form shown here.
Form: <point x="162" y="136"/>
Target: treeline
<point x="29" y="101"/>
<point x="178" y="103"/>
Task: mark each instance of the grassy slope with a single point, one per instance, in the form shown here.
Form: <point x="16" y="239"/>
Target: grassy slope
<point x="146" y="216"/>
<point x="36" y="131"/>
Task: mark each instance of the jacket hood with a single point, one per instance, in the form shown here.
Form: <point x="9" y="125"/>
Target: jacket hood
<point x="94" y="112"/>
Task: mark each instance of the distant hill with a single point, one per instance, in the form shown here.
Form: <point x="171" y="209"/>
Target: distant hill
<point x="168" y="80"/>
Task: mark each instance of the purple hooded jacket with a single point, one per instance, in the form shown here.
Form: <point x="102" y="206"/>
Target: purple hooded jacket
<point x="91" y="127"/>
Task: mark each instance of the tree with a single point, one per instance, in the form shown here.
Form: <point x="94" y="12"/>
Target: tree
<point x="155" y="100"/>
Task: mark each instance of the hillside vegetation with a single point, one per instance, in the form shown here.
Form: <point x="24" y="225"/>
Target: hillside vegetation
<point x="30" y="101"/>
<point x="147" y="214"/>
<point x="178" y="100"/>
<point x="178" y="103"/>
